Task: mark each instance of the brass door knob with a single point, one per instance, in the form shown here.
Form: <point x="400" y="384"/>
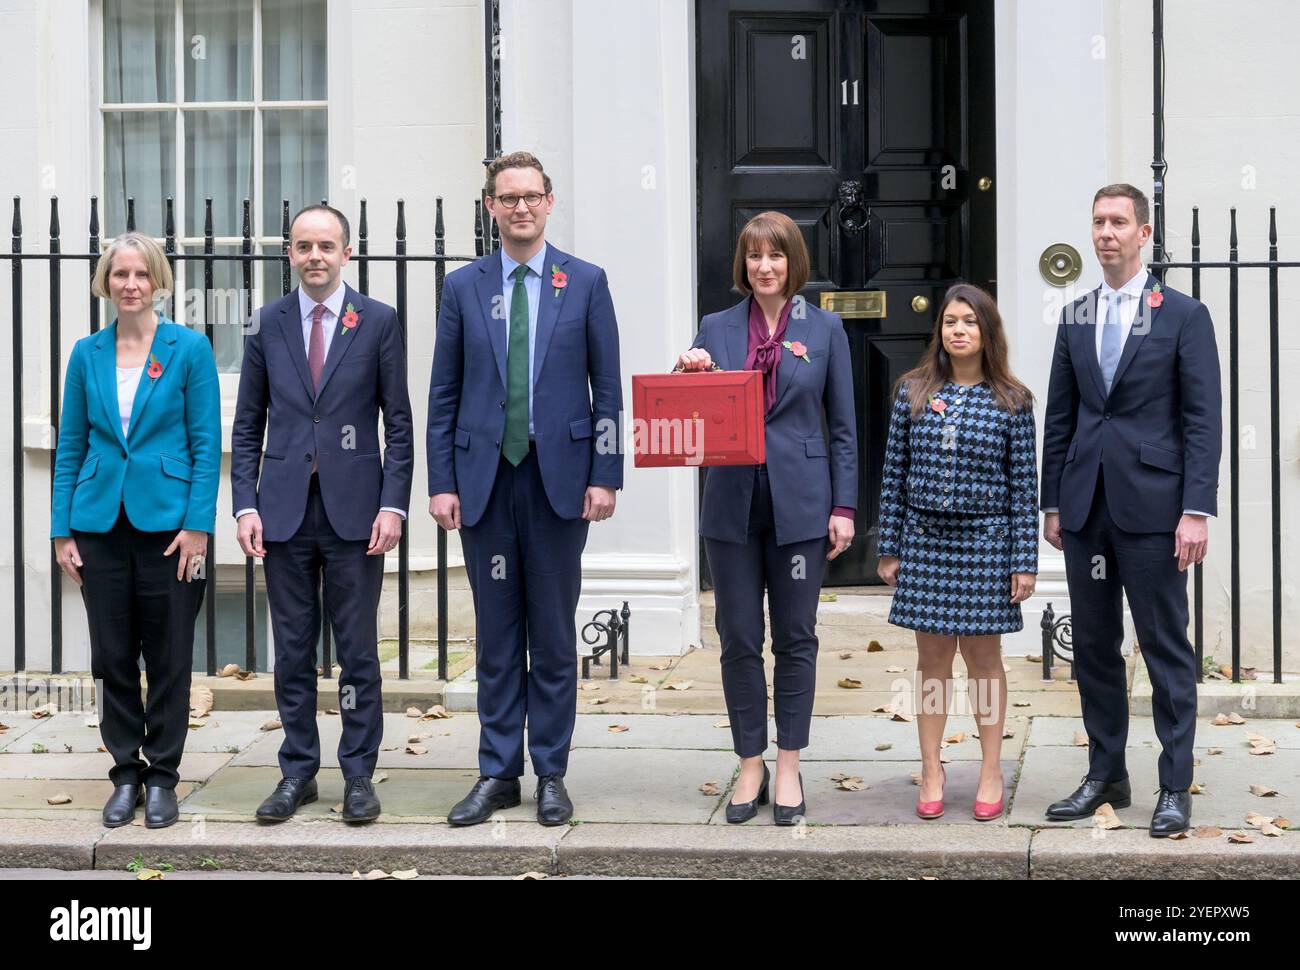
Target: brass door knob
<point x="920" y="303"/>
<point x="985" y="183"/>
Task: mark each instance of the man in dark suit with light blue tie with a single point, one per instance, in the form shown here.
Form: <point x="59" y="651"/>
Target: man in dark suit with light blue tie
<point x="524" y="453"/>
<point x="1131" y="446"/>
<point x="319" y="367"/>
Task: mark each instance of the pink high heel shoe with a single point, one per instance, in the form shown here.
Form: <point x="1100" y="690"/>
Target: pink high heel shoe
<point x="987" y="811"/>
<point x="932" y="809"/>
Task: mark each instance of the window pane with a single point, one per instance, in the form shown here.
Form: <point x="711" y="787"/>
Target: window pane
<point x="219" y="50"/>
<point x="139" y="162"/>
<point x="230" y="630"/>
<point x="218" y="163"/>
<point x="294" y="160"/>
<point x="294" y="55"/>
<point x="139" y="49"/>
<point x="225" y="304"/>
<point x="273" y="278"/>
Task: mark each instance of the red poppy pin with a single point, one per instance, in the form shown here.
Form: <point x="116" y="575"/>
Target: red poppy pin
<point x="937" y="404"/>
<point x="349" y="320"/>
<point x="559" y="278"/>
<point x="1155" y="297"/>
<point x="797" y="348"/>
<point x="155" y="368"/>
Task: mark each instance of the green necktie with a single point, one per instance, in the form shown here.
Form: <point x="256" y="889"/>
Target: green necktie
<point x="515" y="444"/>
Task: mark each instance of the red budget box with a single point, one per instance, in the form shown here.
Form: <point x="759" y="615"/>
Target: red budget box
<point x="692" y="419"/>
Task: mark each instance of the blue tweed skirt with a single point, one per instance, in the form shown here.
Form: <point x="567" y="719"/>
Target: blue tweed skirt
<point x="954" y="574"/>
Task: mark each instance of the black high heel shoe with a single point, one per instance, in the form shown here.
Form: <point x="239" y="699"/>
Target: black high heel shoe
<point x="789" y="815"/>
<point x="744" y="811"/>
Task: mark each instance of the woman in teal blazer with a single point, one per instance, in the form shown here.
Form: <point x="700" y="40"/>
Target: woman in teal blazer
<point x="135" y="496"/>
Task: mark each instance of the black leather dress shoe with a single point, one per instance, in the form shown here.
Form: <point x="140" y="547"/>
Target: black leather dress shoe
<point x="120" y="807"/>
<point x="790" y="814"/>
<point x="738" y="812"/>
<point x="286" y="799"/>
<point x="1173" y="813"/>
<point x="160" y="808"/>
<point x="487" y="795"/>
<point x="1090" y="796"/>
<point x="553" y="805"/>
<point x="360" y="803"/>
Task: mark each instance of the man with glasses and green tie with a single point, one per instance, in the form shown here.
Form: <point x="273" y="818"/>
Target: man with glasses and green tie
<point x="523" y="453"/>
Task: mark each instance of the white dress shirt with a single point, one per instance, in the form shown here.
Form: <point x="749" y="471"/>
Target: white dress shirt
<point x="333" y="312"/>
<point x="1130" y="297"/>
<point x="128" y="382"/>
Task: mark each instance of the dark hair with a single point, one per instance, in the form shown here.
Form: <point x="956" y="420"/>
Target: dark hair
<point x="323" y="207"/>
<point x="1122" y="190"/>
<point x="513" y="160"/>
<point x="780" y="232"/>
<point x="935" y="367"/>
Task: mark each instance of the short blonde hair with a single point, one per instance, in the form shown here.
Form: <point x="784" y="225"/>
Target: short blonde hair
<point x="781" y="233"/>
<point x="155" y="261"/>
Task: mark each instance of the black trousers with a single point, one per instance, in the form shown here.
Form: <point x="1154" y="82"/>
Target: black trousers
<point x="353" y="581"/>
<point x="135" y="606"/>
<point x="792" y="575"/>
<point x="1103" y="562"/>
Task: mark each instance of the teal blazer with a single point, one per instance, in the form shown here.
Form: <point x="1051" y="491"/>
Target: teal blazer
<point x="166" y="468"/>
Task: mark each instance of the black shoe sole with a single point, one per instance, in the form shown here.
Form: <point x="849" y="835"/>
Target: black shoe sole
<point x="162" y="825"/>
<point x="117" y="825"/>
<point x="284" y="818"/>
<point x="361" y="819"/>
<point x="1165" y="835"/>
<point x="549" y="824"/>
<point x="1121" y="803"/>
<point x="513" y="803"/>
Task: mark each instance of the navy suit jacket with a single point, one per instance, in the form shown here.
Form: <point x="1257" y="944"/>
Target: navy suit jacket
<point x="1159" y="432"/>
<point x="577" y="388"/>
<point x="810" y="433"/>
<point x="364" y="372"/>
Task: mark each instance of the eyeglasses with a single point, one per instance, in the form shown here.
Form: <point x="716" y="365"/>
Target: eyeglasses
<point x="532" y="200"/>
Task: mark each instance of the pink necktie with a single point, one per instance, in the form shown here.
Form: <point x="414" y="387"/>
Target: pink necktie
<point x="316" y="356"/>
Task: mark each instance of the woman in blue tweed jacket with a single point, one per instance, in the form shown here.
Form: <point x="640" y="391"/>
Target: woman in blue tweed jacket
<point x="959" y="526"/>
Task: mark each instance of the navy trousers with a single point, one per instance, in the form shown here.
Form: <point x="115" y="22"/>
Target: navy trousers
<point x="136" y="606"/>
<point x="792" y="575"/>
<point x="1102" y="561"/>
<point x="525" y="571"/>
<point x="353" y="581"/>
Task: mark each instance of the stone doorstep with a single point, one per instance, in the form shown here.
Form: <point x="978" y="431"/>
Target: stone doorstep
<point x="258" y="694"/>
<point x="1251" y="698"/>
<point x="621" y="850"/>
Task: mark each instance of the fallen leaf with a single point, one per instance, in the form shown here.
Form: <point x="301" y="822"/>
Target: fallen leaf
<point x="332" y="711"/>
<point x="45" y="710"/>
<point x="1254" y="818"/>
<point x="899" y="716"/>
<point x="414" y="712"/>
<point x="828" y="597"/>
<point x="660" y="666"/>
<point x="381" y="778"/>
<point x="1179" y="836"/>
<point x="588" y="685"/>
<point x="883" y="747"/>
<point x="1021" y="704"/>
<point x="1034" y="659"/>
<point x="1207" y="832"/>
<point x="417" y="738"/>
<point x="246" y="675"/>
<point x="1212" y="751"/>
<point x="886" y="709"/>
<point x="1106" y="818"/>
<point x="849" y="683"/>
<point x="846" y="654"/>
<point x="374" y="874"/>
<point x="617" y="728"/>
<point x="1195" y="789"/>
<point x="530" y="876"/>
<point x="229" y="670"/>
<point x="196" y="723"/>
<point x="3" y="727"/>
<point x="1008" y="733"/>
<point x="1282" y="823"/>
<point x="92" y="722"/>
<point x="149" y="874"/>
<point x="1239" y="837"/>
<point x="102" y="749"/>
<point x="62" y="798"/>
<point x="1263" y="791"/>
<point x="1080" y="739"/>
<point x="678" y="685"/>
<point x="638" y="679"/>
<point x="337" y="809"/>
<point x="1270" y="748"/>
<point x="852" y="784"/>
<point x="895" y="670"/>
<point x="874" y="647"/>
<point x="1235" y="718"/>
<point x="1254" y="738"/>
<point x="436" y="713"/>
<point x="272" y="725"/>
<point x="724" y="723"/>
<point x="916" y="778"/>
<point x="1268" y="828"/>
<point x="200" y="700"/>
<point x="710" y="788"/>
<point x="598" y="700"/>
<point x="957" y="737"/>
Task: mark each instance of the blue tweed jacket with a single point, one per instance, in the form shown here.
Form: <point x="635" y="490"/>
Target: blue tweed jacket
<point x="974" y="458"/>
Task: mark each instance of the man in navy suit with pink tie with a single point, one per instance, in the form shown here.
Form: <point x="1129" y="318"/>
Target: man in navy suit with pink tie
<point x="523" y="453"/>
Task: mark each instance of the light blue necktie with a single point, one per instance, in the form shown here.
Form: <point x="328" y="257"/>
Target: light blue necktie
<point x="1110" y="342"/>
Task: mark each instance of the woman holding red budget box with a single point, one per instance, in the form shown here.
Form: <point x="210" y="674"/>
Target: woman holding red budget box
<point x="775" y="525"/>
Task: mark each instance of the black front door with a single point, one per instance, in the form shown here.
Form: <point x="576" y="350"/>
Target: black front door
<point x="871" y="125"/>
